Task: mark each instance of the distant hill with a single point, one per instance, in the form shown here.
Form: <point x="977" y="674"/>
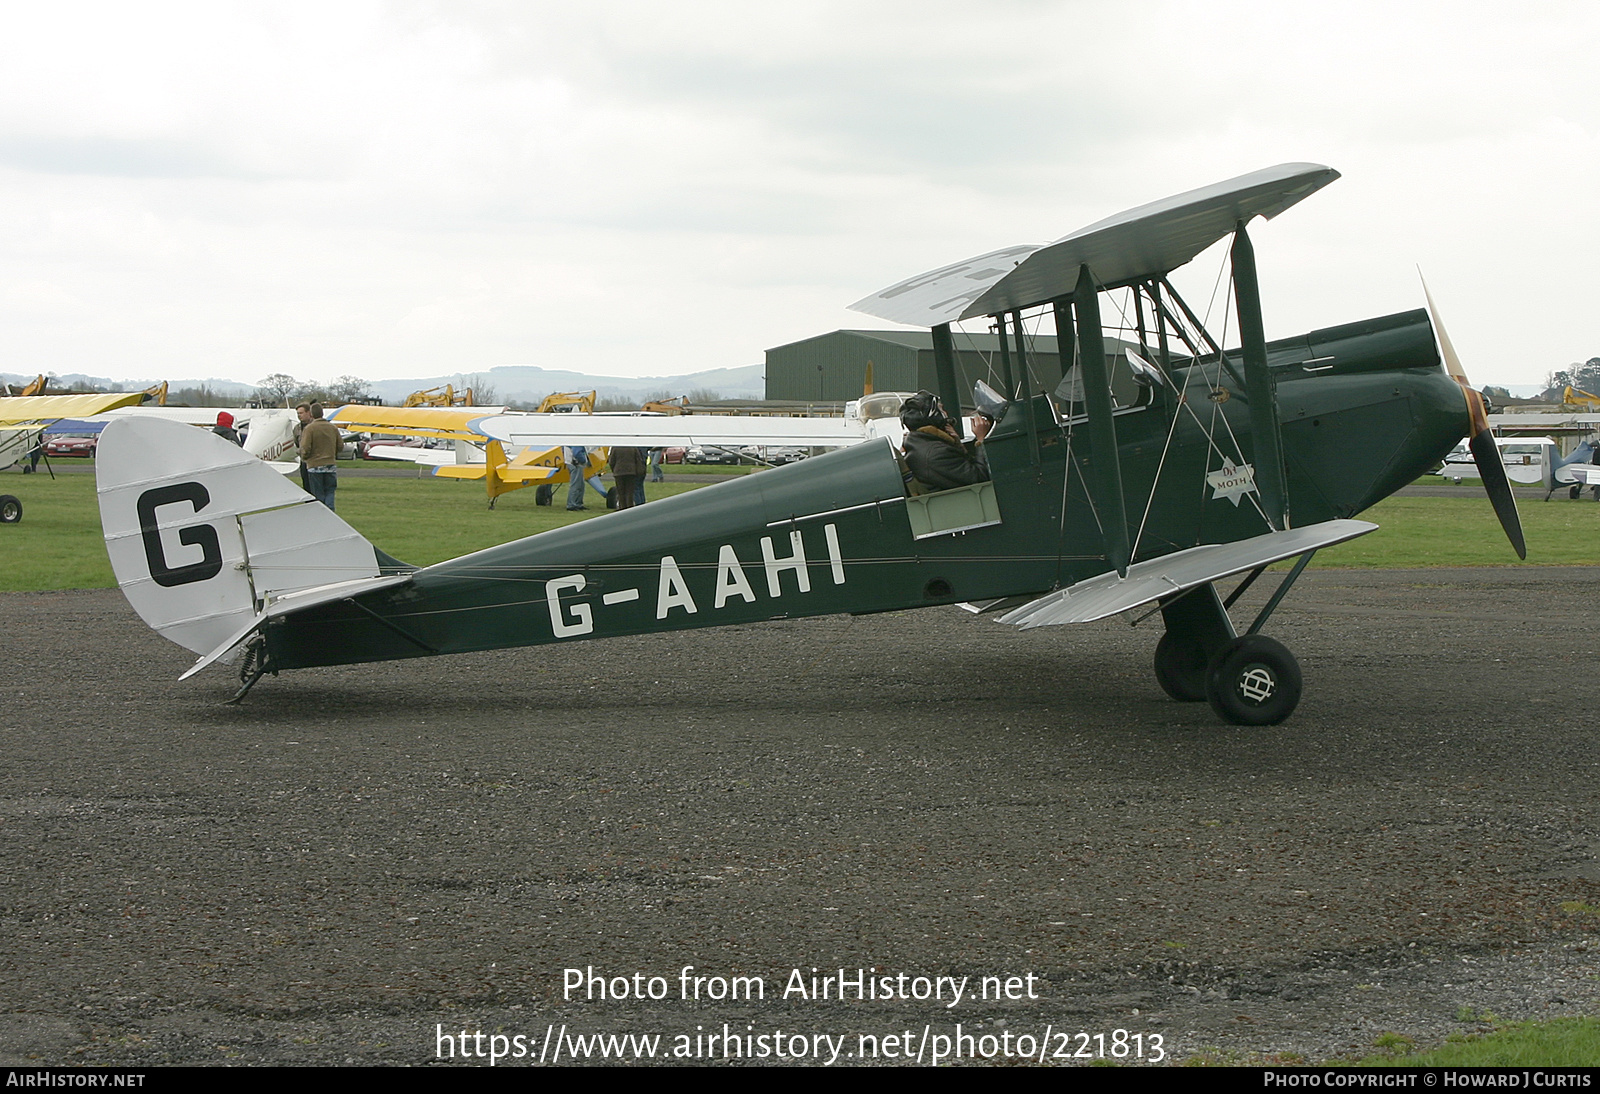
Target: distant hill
<point x="529" y="383"/>
<point x="511" y="383"/>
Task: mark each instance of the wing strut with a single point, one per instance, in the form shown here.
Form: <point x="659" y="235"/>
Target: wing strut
<point x="1109" y="501"/>
<point x="944" y="367"/>
<point x="1025" y="390"/>
<point x="1258" y="383"/>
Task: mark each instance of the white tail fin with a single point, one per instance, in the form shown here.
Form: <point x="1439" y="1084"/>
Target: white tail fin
<point x="203" y="536"/>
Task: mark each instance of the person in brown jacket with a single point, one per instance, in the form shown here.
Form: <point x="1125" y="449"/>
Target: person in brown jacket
<point x="319" y="452"/>
<point x="628" y="468"/>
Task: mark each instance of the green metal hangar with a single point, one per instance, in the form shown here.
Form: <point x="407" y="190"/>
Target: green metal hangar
<point x="833" y="367"/>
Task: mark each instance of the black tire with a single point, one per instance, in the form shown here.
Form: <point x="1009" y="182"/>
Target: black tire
<point x="10" y="509"/>
<point x="611" y="498"/>
<point x="1253" y="681"/>
<point x="1181" y="669"/>
<point x="544" y="495"/>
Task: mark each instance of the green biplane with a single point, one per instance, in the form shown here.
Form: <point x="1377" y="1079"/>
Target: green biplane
<point x="1142" y="478"/>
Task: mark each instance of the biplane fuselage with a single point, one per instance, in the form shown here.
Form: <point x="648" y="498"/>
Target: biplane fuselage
<point x="839" y="533"/>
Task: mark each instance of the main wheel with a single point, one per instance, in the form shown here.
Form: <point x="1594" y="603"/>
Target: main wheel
<point x="1181" y="668"/>
<point x="10" y="509"/>
<point x="1253" y="681"/>
<point x="544" y="494"/>
<point x="611" y="498"/>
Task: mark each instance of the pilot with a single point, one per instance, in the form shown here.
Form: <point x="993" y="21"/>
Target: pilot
<point x="933" y="447"/>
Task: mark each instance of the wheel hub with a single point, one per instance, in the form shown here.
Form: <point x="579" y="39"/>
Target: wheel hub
<point x="1256" y="684"/>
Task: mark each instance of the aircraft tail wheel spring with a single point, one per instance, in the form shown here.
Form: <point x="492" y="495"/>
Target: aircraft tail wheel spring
<point x="10" y="509"/>
<point x="1253" y="681"/>
<point x="1181" y="669"/>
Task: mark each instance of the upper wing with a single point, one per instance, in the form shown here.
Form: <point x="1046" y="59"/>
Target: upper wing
<point x="48" y="408"/>
<point x="189" y="415"/>
<point x="451" y="423"/>
<point x="1147" y="241"/>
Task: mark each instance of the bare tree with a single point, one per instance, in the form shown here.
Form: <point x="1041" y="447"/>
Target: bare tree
<point x="483" y="389"/>
<point x="349" y="389"/>
<point x="276" y="389"/>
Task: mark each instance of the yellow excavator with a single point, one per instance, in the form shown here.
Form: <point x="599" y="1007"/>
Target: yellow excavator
<point x="155" y="393"/>
<point x="446" y="396"/>
<point x="1576" y="396"/>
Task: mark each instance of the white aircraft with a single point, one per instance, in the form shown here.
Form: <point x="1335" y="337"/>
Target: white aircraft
<point x="1524" y="458"/>
<point x="268" y="432"/>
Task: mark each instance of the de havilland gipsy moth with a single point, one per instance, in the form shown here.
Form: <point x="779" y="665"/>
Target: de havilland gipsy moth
<point x="1144" y="477"/>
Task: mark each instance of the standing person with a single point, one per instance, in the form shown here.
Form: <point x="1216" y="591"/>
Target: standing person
<point x="655" y="465"/>
<point x="628" y="468"/>
<point x="224" y="428"/>
<point x="319" y="453"/>
<point x="576" y="457"/>
<point x="303" y="412"/>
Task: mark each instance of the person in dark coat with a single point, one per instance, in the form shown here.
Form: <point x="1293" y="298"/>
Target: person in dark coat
<point x="224" y="428"/>
<point x="933" y="447"/>
<point x="628" y="468"/>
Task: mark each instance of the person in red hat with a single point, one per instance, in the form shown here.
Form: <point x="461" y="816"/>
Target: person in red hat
<point x="224" y="428"/>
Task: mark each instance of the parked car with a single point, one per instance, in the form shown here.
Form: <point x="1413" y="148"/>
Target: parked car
<point x="710" y="455"/>
<point x="71" y="445"/>
<point x="673" y="455"/>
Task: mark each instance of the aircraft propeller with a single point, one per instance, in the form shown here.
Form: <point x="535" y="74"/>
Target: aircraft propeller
<point x="1481" y="441"/>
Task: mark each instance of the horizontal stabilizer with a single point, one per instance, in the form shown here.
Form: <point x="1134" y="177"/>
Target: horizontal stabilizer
<point x="1149" y="581"/>
<point x="1148" y="241"/>
<point x="294" y="602"/>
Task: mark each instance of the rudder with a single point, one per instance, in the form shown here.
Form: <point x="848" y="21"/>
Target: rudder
<point x="203" y="536"/>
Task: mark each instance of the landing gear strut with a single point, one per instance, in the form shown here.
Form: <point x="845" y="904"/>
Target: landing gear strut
<point x="1248" y="679"/>
<point x="1197" y="627"/>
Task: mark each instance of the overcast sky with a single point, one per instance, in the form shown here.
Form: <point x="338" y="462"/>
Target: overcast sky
<point x="414" y="189"/>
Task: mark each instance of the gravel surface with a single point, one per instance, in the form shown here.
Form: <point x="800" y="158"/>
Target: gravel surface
<point x="357" y="858"/>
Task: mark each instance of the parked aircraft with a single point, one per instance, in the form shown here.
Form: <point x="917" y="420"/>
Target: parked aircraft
<point x="23" y="418"/>
<point x="1523" y="457"/>
<point x="1532" y="460"/>
<point x="1222" y="463"/>
<point x="1574" y="472"/>
<point x="481" y="435"/>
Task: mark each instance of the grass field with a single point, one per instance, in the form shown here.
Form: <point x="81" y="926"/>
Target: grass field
<point x="427" y="520"/>
<point x="1562" y="1042"/>
<point x="421" y="521"/>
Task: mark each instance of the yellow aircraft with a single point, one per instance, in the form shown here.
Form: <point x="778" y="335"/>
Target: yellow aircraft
<point x="530" y="467"/>
<point x="22" y="422"/>
<point x="23" y="417"/>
